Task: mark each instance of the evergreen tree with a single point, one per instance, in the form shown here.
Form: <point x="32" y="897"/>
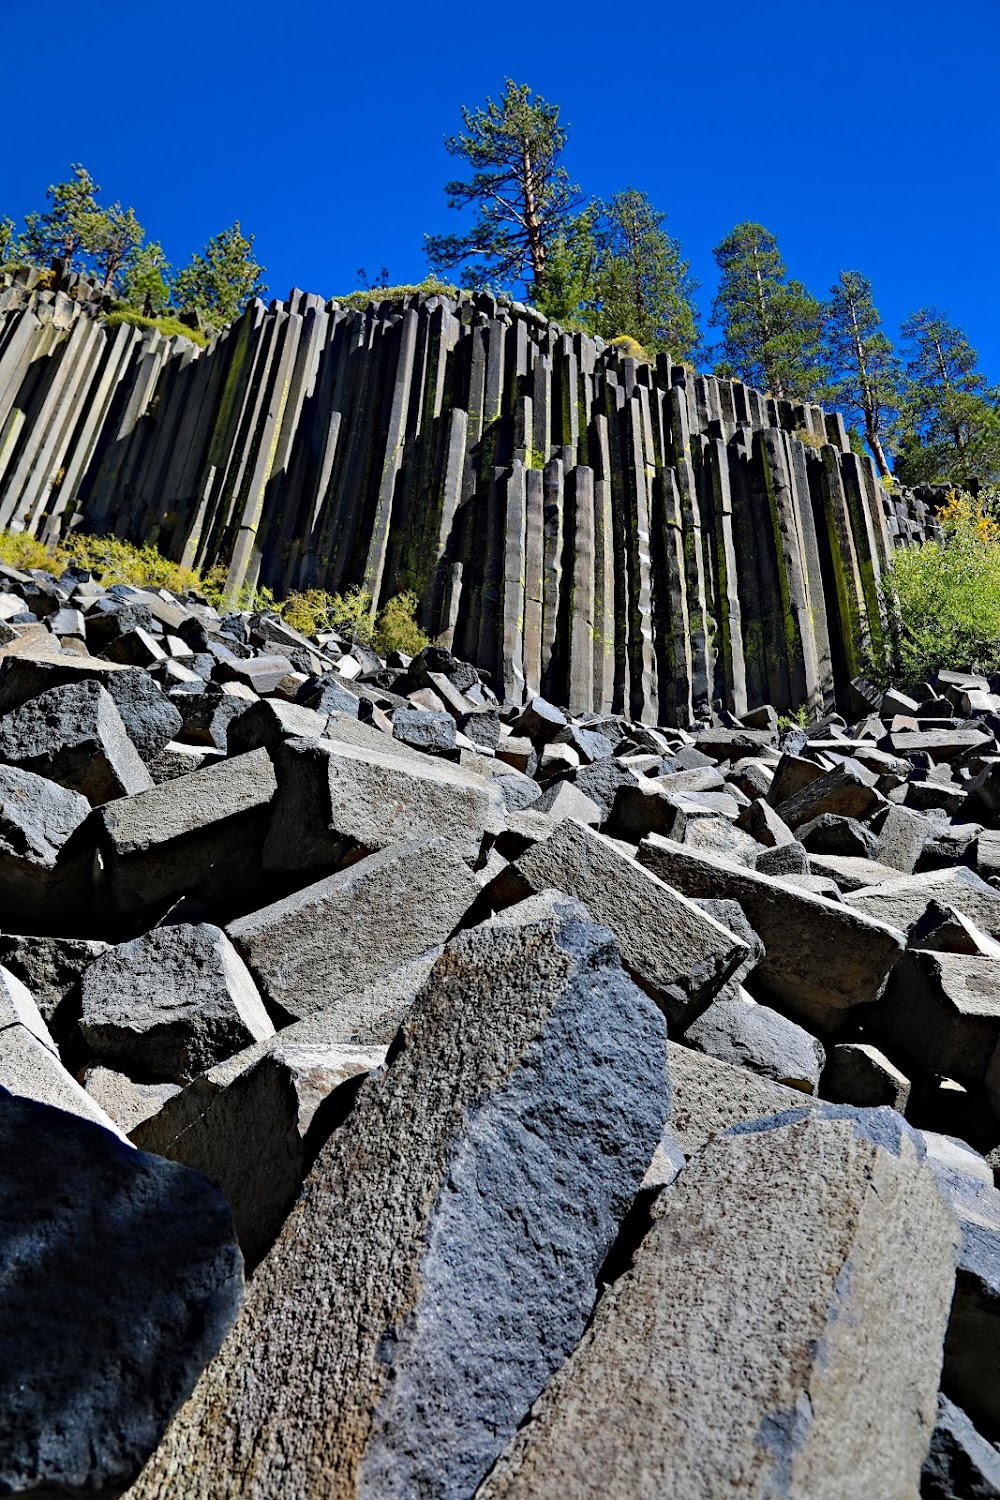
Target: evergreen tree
<point x="865" y="373"/>
<point x="522" y="193"/>
<point x="113" y="236"/>
<point x="220" y="282"/>
<point x="145" y="281"/>
<point x="940" y="367"/>
<point x="644" y="287"/>
<point x="11" y="249"/>
<point x="567" y="294"/>
<point x="771" y="327"/>
<point x="66" y="231"/>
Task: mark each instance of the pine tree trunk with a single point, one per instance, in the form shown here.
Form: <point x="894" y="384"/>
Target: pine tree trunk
<point x="875" y="444"/>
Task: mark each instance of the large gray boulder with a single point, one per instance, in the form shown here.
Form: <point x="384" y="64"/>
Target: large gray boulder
<point x="51" y="967"/>
<point x="151" y="720"/>
<point x="74" y="735"/>
<point x="37" y="864"/>
<point x="961" y="1465"/>
<point x="779" y="1333"/>
<point x="821" y="958"/>
<point x="162" y="843"/>
<point x="331" y="939"/>
<point x="675" y="950"/>
<point x="941" y="1011"/>
<point x="334" y="798"/>
<point x="709" y="1096"/>
<point x="121" y="1277"/>
<point x="902" y="903"/>
<point x="171" y="1003"/>
<point x="441" y="1261"/>
<point x="757" y="1037"/>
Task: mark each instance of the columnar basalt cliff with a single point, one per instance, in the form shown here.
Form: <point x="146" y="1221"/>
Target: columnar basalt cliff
<point x="621" y="536"/>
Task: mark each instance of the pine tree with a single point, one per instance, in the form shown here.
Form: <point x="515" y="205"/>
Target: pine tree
<point x="771" y="327"/>
<point x="522" y="193"/>
<point x="940" y="367"/>
<point x="865" y="374"/>
<point x="12" y="252"/>
<point x="146" y="280"/>
<point x="567" y="294"/>
<point x="113" y="236"/>
<point x="66" y="230"/>
<point x="220" y="282"/>
<point x="644" y="286"/>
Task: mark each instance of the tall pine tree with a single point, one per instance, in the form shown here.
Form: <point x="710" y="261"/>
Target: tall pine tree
<point x="66" y="230"/>
<point x="521" y="191"/>
<point x="222" y="280"/>
<point x="771" y="327"/>
<point x="865" y="375"/>
<point x="644" y="287"/>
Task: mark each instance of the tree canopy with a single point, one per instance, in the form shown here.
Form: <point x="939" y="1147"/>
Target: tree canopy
<point x="220" y="282"/>
<point x="865" y="374"/>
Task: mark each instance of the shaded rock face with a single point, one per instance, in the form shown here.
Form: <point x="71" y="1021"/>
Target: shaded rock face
<point x="121" y="1277"/>
<point x="529" y="1081"/>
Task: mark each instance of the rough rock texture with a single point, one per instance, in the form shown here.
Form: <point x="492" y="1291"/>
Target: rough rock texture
<point x="151" y="720"/>
<point x="121" y="1276"/>
<point x="37" y="820"/>
<point x="961" y="1465"/>
<point x="820" y="958"/>
<point x="339" y="935"/>
<point x="677" y="952"/>
<point x="529" y="1086"/>
<point x="51" y="968"/>
<point x="709" y="1096"/>
<point x="74" y="735"/>
<point x="758" y="1038"/>
<point x="779" y="1334"/>
<point x="171" y="1003"/>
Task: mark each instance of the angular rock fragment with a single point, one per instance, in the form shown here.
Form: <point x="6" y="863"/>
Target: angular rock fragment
<point x="677" y="952"/>
<point x="323" y="943"/>
<point x="269" y="722"/>
<point x="529" y="1087"/>
<point x="902" y="903"/>
<point x="756" y="1037"/>
<point x="334" y="798"/>
<point x="942" y="1011"/>
<point x="151" y="720"/>
<point x="171" y="1003"/>
<point x="163" y="842"/>
<point x="820" y="959"/>
<point x="961" y="1465"/>
<point x="74" y="736"/>
<point x="123" y="1100"/>
<point x="121" y="1278"/>
<point x="709" y="1096"/>
<point x="857" y="1073"/>
<point x="37" y="864"/>
<point x="779" y="1333"/>
<point x="847" y="791"/>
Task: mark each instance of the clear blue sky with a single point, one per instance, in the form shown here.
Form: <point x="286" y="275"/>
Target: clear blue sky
<point x="864" y="133"/>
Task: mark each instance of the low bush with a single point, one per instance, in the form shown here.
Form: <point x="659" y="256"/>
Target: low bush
<point x="166" y="325"/>
<point x="432" y="286"/>
<point x="942" y="599"/>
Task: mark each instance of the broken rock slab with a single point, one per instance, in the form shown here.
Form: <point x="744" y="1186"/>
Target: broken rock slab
<point x="333" y="938"/>
<point x="334" y="798"/>
<point x="779" y="1333"/>
<point x="171" y="1003"/>
<point x="679" y="953"/>
<point x="821" y="958"/>
<point x="902" y="903"/>
<point x="122" y="1275"/>
<point x="75" y="736"/>
<point x="942" y="1012"/>
<point x="709" y="1096"/>
<point x="961" y="1465"/>
<point x="417" y="1301"/>
<point x="37" y="865"/>
<point x="758" y="1038"/>
<point x="51" y="968"/>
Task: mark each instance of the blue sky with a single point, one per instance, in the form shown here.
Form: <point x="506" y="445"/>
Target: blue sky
<point x="863" y="133"/>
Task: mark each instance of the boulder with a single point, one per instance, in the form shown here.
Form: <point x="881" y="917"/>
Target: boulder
<point x="779" y="1332"/>
<point x="859" y="1074"/>
<point x="324" y="943"/>
<point x="75" y="736"/>
<point x="336" y="799"/>
<point x="758" y="1038"/>
<point x="151" y="720"/>
<point x="709" y="1096"/>
<point x="51" y="968"/>
<point x="902" y="903"/>
<point x="942" y="1012"/>
<point x="821" y="959"/>
<point x="171" y="1003"/>
<point x="676" y="951"/>
<point x="123" y="1100"/>
<point x="848" y="791"/>
<point x="269" y="722"/>
<point x="122" y="1276"/>
<point x="961" y="1465"/>
<point x="456" y="1226"/>
<point x="38" y="865"/>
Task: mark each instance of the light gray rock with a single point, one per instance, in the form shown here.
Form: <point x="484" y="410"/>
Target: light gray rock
<point x="121" y="1278"/>
<point x="37" y="866"/>
<point x="850" y="872"/>
<point x="709" y="1096"/>
<point x="335" y="798"/>
<point x="758" y="1038"/>
<point x="848" y="791"/>
<point x="821" y="959"/>
<point x="171" y="1003"/>
<point x="269" y="722"/>
<point x="256" y="1126"/>
<point x="564" y="800"/>
<point x="162" y="843"/>
<point x="457" y="1225"/>
<point x="322" y="944"/>
<point x="126" y="1102"/>
<point x="902" y="835"/>
<point x="779" y="1332"/>
<point x="942" y="1012"/>
<point x="74" y="736"/>
<point x="51" y="968"/>
<point x="902" y="903"/>
<point x="677" y="952"/>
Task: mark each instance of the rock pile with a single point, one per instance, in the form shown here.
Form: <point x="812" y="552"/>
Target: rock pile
<point x="337" y="969"/>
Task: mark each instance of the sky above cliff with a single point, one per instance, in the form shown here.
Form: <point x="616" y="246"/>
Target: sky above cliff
<point x="864" y="134"/>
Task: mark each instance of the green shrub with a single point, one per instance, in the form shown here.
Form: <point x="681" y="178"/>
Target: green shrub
<point x="396" y="628"/>
<point x="19" y="550"/>
<point x="942" y="599"/>
<point x="167" y="326"/>
<point x="431" y="286"/>
<point x="628" y="347"/>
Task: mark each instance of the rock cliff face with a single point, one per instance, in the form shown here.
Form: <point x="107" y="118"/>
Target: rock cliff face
<point x="621" y="536"/>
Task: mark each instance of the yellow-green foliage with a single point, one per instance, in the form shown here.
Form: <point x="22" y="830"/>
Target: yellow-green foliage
<point x="942" y="599"/>
<point x="628" y="347"/>
<point x="432" y="286"/>
<point x="167" y="326"/>
<point x="813" y="440"/>
<point x="113" y="560"/>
